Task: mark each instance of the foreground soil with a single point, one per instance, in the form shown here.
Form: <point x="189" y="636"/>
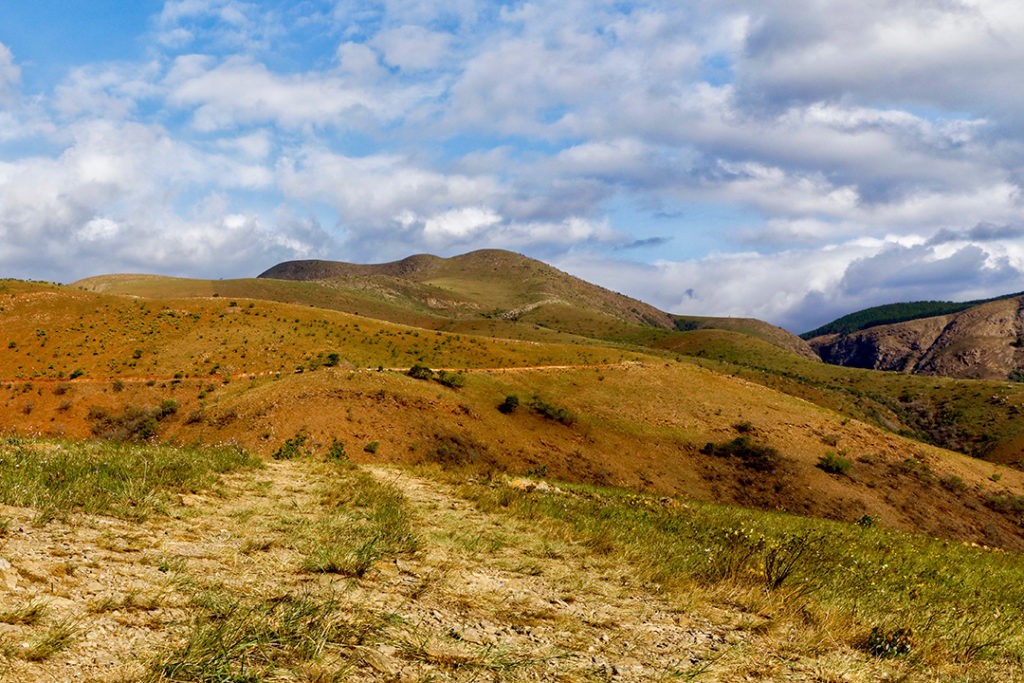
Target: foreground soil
<point x="485" y="596"/>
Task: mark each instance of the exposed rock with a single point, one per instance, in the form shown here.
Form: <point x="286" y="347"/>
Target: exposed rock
<point x="983" y="342"/>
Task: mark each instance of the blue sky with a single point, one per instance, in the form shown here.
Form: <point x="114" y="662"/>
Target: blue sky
<point x="786" y="161"/>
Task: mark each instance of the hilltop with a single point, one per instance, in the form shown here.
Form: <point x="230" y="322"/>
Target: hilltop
<point x="490" y="292"/>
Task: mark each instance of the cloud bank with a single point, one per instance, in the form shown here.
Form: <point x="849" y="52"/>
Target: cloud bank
<point x="766" y="159"/>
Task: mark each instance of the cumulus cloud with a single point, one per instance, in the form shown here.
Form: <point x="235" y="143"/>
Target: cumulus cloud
<point x="841" y="152"/>
<point x="413" y="48"/>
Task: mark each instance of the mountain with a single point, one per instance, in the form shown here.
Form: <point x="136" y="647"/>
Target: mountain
<point x="889" y="314"/>
<point x="492" y="283"/>
<point x="982" y="342"/>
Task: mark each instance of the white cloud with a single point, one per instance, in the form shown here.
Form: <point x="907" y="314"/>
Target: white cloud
<point x="413" y="48"/>
<point x="459" y="224"/>
<point x="372" y="190"/>
<point x="10" y="73"/>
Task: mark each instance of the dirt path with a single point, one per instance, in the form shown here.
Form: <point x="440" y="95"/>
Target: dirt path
<point x="483" y="596"/>
<point x="141" y="379"/>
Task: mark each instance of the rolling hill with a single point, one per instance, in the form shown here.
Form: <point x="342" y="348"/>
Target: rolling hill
<point x="258" y="373"/>
<point x="408" y="472"/>
<point x="491" y="292"/>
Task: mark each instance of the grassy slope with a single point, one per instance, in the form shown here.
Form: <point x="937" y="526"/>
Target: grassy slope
<point x="500" y="293"/>
<point x="981" y="418"/>
<point x="640" y="425"/>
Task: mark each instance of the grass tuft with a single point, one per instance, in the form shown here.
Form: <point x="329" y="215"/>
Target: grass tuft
<point x="128" y="481"/>
<point x="367" y="522"/>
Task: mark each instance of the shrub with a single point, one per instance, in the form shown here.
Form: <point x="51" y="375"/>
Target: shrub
<point x="76" y="373"/>
<point x="834" y="464"/>
<point x="451" y="379"/>
<point x="167" y="408"/>
<point x="371" y="447"/>
<point x="756" y="456"/>
<point x="887" y="643"/>
<point x="133" y="424"/>
<point x="552" y="412"/>
<point x="420" y="372"/>
<point x="509" y="405"/>
<point x="292" y="448"/>
<point x="457" y="450"/>
<point x="336" y="451"/>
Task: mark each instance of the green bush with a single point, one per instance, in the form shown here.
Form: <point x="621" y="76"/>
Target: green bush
<point x="756" y="456"/>
<point x="420" y="372"/>
<point x="834" y="464"/>
<point x="509" y="405"/>
<point x="552" y="412"/>
<point x="336" y="451"/>
<point x="454" y="380"/>
<point x="371" y="447"/>
<point x="886" y="643"/>
<point x="132" y="424"/>
<point x="292" y="448"/>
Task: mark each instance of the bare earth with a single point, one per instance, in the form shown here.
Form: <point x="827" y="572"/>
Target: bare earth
<point x="479" y="595"/>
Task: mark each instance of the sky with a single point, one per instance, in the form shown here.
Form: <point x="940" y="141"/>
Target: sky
<point x="787" y="161"/>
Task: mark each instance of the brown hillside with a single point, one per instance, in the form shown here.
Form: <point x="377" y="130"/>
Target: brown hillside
<point x="983" y="342"/>
<point x="775" y="336"/>
<point x="259" y="373"/>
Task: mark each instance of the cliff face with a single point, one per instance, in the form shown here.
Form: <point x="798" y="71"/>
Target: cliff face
<point x="983" y="342"/>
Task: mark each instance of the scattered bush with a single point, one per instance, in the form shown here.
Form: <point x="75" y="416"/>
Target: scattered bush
<point x="420" y="372"/>
<point x="76" y="373"/>
<point x="371" y="447"/>
<point x="292" y="448"/>
<point x="509" y="405"/>
<point x="552" y="412"/>
<point x="756" y="456"/>
<point x="834" y="464"/>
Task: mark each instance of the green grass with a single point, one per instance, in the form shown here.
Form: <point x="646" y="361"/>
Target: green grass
<point x="970" y="416"/>
<point x="366" y="521"/>
<point x="242" y="640"/>
<point x="938" y="603"/>
<point x="128" y="481"/>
